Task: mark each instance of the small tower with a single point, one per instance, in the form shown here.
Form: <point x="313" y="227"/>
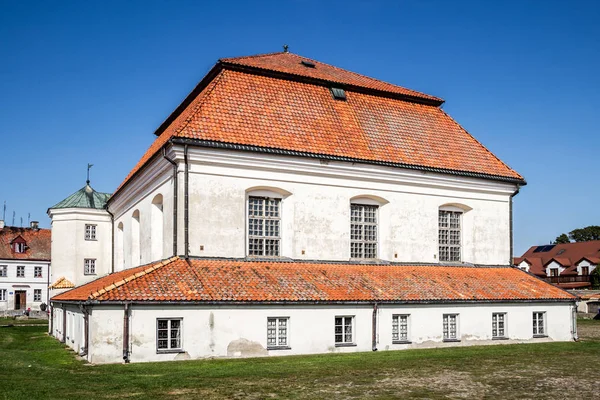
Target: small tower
<point x="81" y="239"/>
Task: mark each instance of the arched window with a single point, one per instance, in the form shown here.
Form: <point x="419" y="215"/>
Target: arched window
<point x="120" y="259"/>
<point x="264" y="205"/>
<point x="450" y="231"/>
<point x="135" y="239"/>
<point x="364" y="226"/>
<point x="157" y="227"/>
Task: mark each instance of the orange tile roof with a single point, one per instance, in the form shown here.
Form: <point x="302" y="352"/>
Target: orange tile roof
<point x="38" y="243"/>
<point x="62" y="283"/>
<point x="566" y="254"/>
<point x="208" y="280"/>
<point x="267" y="104"/>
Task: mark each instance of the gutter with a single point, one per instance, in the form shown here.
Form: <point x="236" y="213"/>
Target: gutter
<point x="175" y="198"/>
<point x="510" y="219"/>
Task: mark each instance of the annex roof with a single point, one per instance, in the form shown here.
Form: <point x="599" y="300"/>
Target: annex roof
<point x="37" y="243"/>
<point x="568" y="255"/>
<point x="274" y="103"/>
<point x="62" y="283"/>
<point x="86" y="197"/>
<point x="218" y="280"/>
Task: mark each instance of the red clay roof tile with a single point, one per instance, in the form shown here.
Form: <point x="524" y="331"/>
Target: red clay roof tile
<point x="264" y="281"/>
<point x="566" y="254"/>
<point x="38" y="243"/>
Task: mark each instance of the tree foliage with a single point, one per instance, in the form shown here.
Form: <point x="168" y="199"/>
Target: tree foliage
<point x="586" y="234"/>
<point x="563" y="238"/>
<point x="595" y="278"/>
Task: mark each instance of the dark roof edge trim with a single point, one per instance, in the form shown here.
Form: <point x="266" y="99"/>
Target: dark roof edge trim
<point x="312" y="302"/>
<point x="258" y="149"/>
<point x="328" y="83"/>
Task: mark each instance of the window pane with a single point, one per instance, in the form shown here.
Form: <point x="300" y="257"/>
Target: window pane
<point x="363" y="231"/>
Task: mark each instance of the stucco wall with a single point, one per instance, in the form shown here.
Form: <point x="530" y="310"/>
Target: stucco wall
<point x="241" y="331"/>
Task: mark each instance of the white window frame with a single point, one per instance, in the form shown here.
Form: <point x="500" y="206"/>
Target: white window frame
<point x="447" y="321"/>
<point x="169" y="330"/>
<point x="37" y="295"/>
<point x="537" y="332"/>
<point x="3" y="295"/>
<point x="274" y="332"/>
<point x="499" y="318"/>
<point x="20" y="271"/>
<point x="449" y="237"/>
<point x="401" y="328"/>
<point x="89" y="266"/>
<point x="358" y="240"/>
<point x="264" y="220"/>
<point x="19" y="247"/>
<point x="90" y="232"/>
<point x="3" y="271"/>
<point x="37" y="272"/>
<point x="343" y="332"/>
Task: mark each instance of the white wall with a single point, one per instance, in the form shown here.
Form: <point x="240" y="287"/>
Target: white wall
<point x="585" y="263"/>
<point x="554" y="265"/>
<point x="74" y="334"/>
<point x="29" y="283"/>
<point x="524" y="266"/>
<point x="240" y="331"/>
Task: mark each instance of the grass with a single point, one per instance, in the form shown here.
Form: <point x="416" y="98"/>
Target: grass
<point x="12" y="321"/>
<point x="36" y="366"/>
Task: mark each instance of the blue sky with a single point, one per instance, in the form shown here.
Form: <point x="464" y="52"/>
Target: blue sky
<point x="90" y="82"/>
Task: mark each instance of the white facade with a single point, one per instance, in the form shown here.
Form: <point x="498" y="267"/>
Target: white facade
<point x="32" y="283"/>
<point x="583" y="264"/>
<point x="241" y="331"/>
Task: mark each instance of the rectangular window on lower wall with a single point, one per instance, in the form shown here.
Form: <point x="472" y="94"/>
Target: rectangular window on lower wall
<point x="37" y="272"/>
<point x="539" y="324"/>
<point x="89" y="266"/>
<point x="3" y="271"/>
<point x="400" y="328"/>
<point x="2" y="294"/>
<point x="277" y="332"/>
<point x="37" y="294"/>
<point x="450" y="327"/>
<point x="20" y="271"/>
<point x="344" y="330"/>
<point x="499" y="325"/>
<point x="168" y="334"/>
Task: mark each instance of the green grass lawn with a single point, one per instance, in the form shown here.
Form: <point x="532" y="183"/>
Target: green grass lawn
<point x="35" y="366"/>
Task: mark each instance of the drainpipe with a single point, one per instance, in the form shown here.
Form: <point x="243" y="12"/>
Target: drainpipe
<point x="112" y="240"/>
<point x="48" y="291"/>
<point x="85" y="312"/>
<point x="574" y="322"/>
<point x="510" y="212"/>
<point x="51" y="319"/>
<point x="374" y="347"/>
<point x="186" y="204"/>
<point x="64" y="328"/>
<point x="175" y="204"/>
<point x="126" y="333"/>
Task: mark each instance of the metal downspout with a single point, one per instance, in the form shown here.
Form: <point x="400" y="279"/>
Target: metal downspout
<point x="112" y="239"/>
<point x="126" y="333"/>
<point x="64" y="327"/>
<point x="186" y="210"/>
<point x="374" y="337"/>
<point x="85" y="313"/>
<point x="510" y="212"/>
<point x="51" y="319"/>
<point x="175" y="203"/>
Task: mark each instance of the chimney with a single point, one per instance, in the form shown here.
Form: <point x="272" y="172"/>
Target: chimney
<point x="34" y="225"/>
<point x="1" y="224"/>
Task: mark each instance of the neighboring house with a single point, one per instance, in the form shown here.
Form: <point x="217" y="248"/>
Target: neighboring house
<point x="81" y="239"/>
<point x="24" y="267"/>
<point x="566" y="265"/>
<point x="291" y="207"/>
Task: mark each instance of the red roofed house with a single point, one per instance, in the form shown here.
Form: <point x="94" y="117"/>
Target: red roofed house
<point x="288" y="206"/>
<point x="24" y="268"/>
<point x="567" y="265"/>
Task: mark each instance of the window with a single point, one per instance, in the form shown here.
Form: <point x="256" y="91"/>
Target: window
<point x="449" y="235"/>
<point x="19" y="247"/>
<point x="585" y="270"/>
<point x="264" y="219"/>
<point x="89" y="266"/>
<point x="37" y="295"/>
<point x="344" y="330"/>
<point x="539" y="327"/>
<point x="90" y="232"/>
<point x="450" y="327"/>
<point x="3" y="271"/>
<point x="37" y="272"/>
<point x="168" y="334"/>
<point x="20" y="271"/>
<point x="553" y="271"/>
<point x="363" y="231"/>
<point x="400" y="328"/>
<point x="277" y="332"/>
<point x="2" y="294"/>
<point x="498" y="325"/>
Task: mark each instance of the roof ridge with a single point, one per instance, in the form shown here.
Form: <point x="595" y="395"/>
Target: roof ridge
<point x="226" y="59"/>
<point x="145" y="271"/>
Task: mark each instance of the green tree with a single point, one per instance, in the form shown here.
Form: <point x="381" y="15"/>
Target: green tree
<point x="586" y="234"/>
<point x="595" y="278"/>
<point x="563" y="238"/>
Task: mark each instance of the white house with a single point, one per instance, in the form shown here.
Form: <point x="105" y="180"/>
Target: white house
<point x="291" y="207"/>
<point x="24" y="268"/>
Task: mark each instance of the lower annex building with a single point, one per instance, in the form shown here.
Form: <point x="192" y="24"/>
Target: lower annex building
<point x="288" y="206"/>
